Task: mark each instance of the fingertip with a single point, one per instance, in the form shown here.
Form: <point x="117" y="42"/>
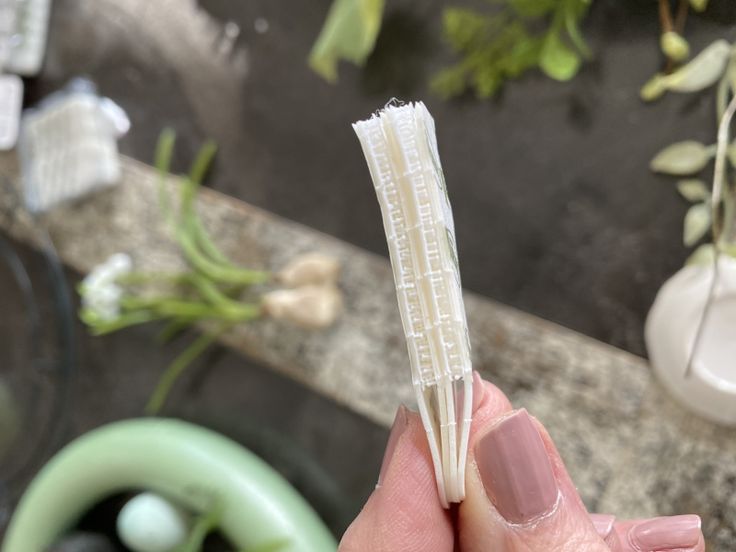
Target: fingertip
<point x="404" y="511"/>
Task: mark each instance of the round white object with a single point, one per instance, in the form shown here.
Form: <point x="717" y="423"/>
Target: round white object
<point x="671" y="332"/>
<point x="150" y="523"/>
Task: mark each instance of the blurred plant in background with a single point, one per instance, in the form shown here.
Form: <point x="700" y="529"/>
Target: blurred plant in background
<point x="213" y="290"/>
<point x="517" y="36"/>
<point x="715" y="64"/>
<point x="349" y="33"/>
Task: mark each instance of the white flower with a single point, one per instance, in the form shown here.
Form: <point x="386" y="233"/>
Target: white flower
<point x="100" y="292"/>
<point x="311" y="307"/>
<point x="310" y="269"/>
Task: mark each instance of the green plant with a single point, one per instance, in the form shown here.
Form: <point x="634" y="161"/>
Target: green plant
<point x="349" y="33"/>
<point x="517" y="35"/>
<point x="715" y="209"/>
<point x="213" y="292"/>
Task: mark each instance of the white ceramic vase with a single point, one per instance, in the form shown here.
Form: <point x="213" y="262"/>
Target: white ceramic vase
<point x="671" y="330"/>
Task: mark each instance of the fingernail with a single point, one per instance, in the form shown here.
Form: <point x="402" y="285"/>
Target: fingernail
<point x="515" y="469"/>
<point x="603" y="524"/>
<point x="666" y="533"/>
<point x="479" y="390"/>
<point x="400" y="424"/>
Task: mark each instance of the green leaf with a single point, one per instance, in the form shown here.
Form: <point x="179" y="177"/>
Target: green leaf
<point x="674" y="46"/>
<point x="349" y="33"/>
<point x="450" y="82"/>
<point x="693" y="189"/>
<point x="702" y="71"/>
<point x="682" y="158"/>
<point x="699" y="5"/>
<point x="573" y="31"/>
<point x="464" y="28"/>
<point x="697" y="223"/>
<point x="558" y="61"/>
<point x="654" y="88"/>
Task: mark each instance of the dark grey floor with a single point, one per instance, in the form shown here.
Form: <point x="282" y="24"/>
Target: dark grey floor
<point x="556" y="211"/>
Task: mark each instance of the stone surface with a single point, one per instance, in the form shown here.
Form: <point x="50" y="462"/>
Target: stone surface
<point x="630" y="449"/>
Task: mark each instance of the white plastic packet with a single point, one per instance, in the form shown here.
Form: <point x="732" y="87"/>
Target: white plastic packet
<point x="68" y="146"/>
<point x="400" y="147"/>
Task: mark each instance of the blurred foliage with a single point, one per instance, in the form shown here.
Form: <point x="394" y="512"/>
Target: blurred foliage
<point x="711" y="210"/>
<point x="515" y="36"/>
<point x="349" y="33"/>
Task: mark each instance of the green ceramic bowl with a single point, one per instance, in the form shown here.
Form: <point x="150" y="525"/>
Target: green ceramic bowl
<point x="183" y="462"/>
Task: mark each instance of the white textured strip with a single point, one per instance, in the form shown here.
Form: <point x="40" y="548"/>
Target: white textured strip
<point x="401" y="151"/>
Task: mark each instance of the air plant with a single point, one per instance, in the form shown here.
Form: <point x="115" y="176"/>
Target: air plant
<point x="213" y="293"/>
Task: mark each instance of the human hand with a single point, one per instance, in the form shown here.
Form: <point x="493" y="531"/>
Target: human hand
<point x="519" y="496"/>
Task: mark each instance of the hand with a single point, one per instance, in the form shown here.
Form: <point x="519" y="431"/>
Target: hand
<point x="519" y="496"/>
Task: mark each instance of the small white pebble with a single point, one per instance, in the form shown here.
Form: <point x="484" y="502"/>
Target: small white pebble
<point x="150" y="523"/>
<point x="261" y="25"/>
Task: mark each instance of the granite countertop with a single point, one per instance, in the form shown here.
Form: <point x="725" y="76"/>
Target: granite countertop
<point x="630" y="449"/>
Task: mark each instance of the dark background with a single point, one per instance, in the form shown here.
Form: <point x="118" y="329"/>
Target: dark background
<point x="556" y="210"/>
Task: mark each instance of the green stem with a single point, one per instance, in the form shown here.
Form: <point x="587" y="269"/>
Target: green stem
<point x="164" y="152"/>
<point x="204" y="241"/>
<point x="172" y="328"/>
<point x="138" y="278"/>
<point x="123" y="321"/>
<point x="177" y="367"/>
<point x="209" y="291"/>
<point x="215" y="271"/>
<point x="204" y="525"/>
<point x="722" y="93"/>
<point x="169" y="307"/>
<point x="202" y="162"/>
<point x="172" y="307"/>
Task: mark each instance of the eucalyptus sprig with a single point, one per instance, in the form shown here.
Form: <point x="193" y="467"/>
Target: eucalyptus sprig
<point x="505" y="43"/>
<point x="713" y="209"/>
<point x="213" y="292"/>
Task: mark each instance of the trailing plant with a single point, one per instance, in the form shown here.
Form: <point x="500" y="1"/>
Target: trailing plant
<point x="212" y="293"/>
<point x="517" y="35"/>
<point x="676" y="50"/>
<point x="713" y="209"/>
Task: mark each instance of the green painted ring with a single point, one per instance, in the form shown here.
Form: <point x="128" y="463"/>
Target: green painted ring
<point x="183" y="462"/>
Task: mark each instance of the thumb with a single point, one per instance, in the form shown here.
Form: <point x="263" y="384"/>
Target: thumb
<point x="519" y="495"/>
<point x="404" y="512"/>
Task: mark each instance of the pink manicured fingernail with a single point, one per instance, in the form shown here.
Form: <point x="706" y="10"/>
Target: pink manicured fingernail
<point x="603" y="524"/>
<point x="515" y="469"/>
<point x="397" y="429"/>
<point x="479" y="390"/>
<point x="666" y="533"/>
